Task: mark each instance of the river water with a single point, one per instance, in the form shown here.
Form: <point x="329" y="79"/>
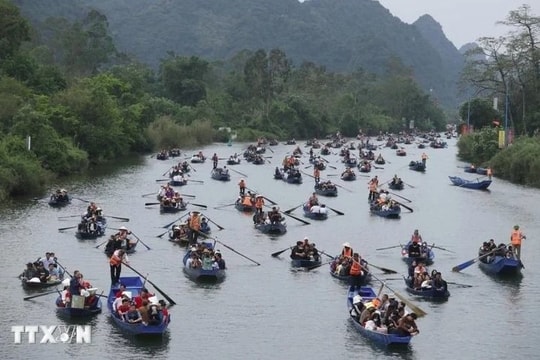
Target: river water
<point x="271" y="311"/>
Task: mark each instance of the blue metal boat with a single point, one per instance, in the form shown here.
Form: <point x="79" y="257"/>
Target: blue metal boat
<point x="77" y="312"/>
<point x="134" y="285"/>
<point x="316" y="215"/>
<point x="427" y="259"/>
<point x="468" y="184"/>
<point x="200" y="274"/>
<point x="367" y="294"/>
<point x="500" y="265"/>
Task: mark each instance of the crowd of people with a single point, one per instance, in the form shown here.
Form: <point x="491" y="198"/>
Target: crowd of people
<point x="304" y="250"/>
<point x="143" y="308"/>
<point x="44" y="270"/>
<point x="169" y="197"/>
<point x="203" y="257"/>
<point x="93" y="221"/>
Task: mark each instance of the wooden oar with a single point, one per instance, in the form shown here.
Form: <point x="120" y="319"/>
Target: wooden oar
<point x="152" y="203"/>
<point x="389" y="247"/>
<point x="152" y="193"/>
<point x="171" y="301"/>
<point x="212" y="221"/>
<point x="319" y="265"/>
<point x="297" y="219"/>
<point x="66" y="228"/>
<point x="405" y="206"/>
<point x="413" y="187"/>
<point x="336" y="211"/>
<point x="384" y="270"/>
<point x="466" y="264"/>
<point x="83" y="200"/>
<point x="139" y="239"/>
<point x="223" y="206"/>
<point x="69" y="216"/>
<point x="330" y="256"/>
<point x="441" y="248"/>
<point x="230" y="248"/>
<point x="199" y="205"/>
<point x="101" y="244"/>
<point x="292" y="209"/>
<point x="264" y="197"/>
<point x="197" y="181"/>
<point x="276" y="254"/>
<point x="343" y="187"/>
<point x="42" y="294"/>
<point x="166" y="172"/>
<point x="457" y="284"/>
<point x="404" y="198"/>
<point x="163" y="233"/>
<point x="239" y="173"/>
<point x="63" y="268"/>
<point x="158" y="180"/>
<point x="188" y="195"/>
<point x="172" y="222"/>
<point x="118" y="218"/>
<point x="417" y="310"/>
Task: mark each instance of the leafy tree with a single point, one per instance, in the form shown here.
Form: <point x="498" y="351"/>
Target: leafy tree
<point x="183" y="79"/>
<point x="479" y="113"/>
<point x="14" y="30"/>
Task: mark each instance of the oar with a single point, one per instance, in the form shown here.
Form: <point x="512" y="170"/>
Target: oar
<point x="118" y="218"/>
<point x="441" y="248"/>
<point x="42" y="294"/>
<point x="63" y="268"/>
<point x="264" y="197"/>
<point x="405" y="206"/>
<point x="166" y="226"/>
<point x="101" y="244"/>
<point x="197" y="181"/>
<point x="192" y="168"/>
<point x="417" y="310"/>
<point x="343" y="187"/>
<point x="292" y="209"/>
<point x="70" y="216"/>
<point x="223" y="206"/>
<point x="199" y="205"/>
<point x="389" y="247"/>
<point x="336" y="211"/>
<point x="298" y="219"/>
<point x="404" y="198"/>
<point x="457" y="284"/>
<point x="158" y="180"/>
<point x="86" y="201"/>
<point x="145" y="195"/>
<point x="166" y="172"/>
<point x="330" y="256"/>
<point x="239" y="173"/>
<point x="413" y="187"/>
<point x="276" y="254"/>
<point x="171" y="301"/>
<point x="212" y="221"/>
<point x="230" y="248"/>
<point x="66" y="228"/>
<point x="163" y="233"/>
<point x="152" y="203"/>
<point x="139" y="239"/>
<point x="319" y="265"/>
<point x="466" y="264"/>
<point x="384" y="270"/>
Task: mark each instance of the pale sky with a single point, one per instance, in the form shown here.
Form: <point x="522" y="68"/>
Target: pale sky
<point x="463" y="21"/>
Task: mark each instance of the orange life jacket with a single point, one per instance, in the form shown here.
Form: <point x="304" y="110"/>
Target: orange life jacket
<point x="373" y="186"/>
<point x="259" y="203"/>
<point x="115" y="260"/>
<point x="416" y="238"/>
<point x="195" y="222"/>
<point x="246" y="201"/>
<point x="356" y="269"/>
<point x="242" y="184"/>
<point x="516" y="237"/>
<point x="347" y="252"/>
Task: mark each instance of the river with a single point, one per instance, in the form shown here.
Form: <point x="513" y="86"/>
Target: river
<point x="271" y="311"/>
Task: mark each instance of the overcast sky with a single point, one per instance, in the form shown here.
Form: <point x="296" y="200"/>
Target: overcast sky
<point x="463" y="21"/>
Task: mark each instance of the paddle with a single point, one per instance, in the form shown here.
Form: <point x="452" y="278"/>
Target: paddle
<point x="101" y="244"/>
<point x="292" y="209"/>
<point x="66" y="228"/>
<point x="466" y="264"/>
<point x="457" y="284"/>
<point x="405" y="206"/>
<point x="264" y="197"/>
<point x="119" y="218"/>
<point x="389" y="247"/>
<point x="139" y="239"/>
<point x="298" y="219"/>
<point x="166" y="172"/>
<point x="158" y="180"/>
<point x="172" y="222"/>
<point x="145" y="195"/>
<point x="343" y="187"/>
<point x="152" y="203"/>
<point x="212" y="221"/>
<point x="171" y="301"/>
<point x="70" y="216"/>
<point x="276" y="254"/>
<point x="384" y="270"/>
<point x="440" y="248"/>
<point x="319" y="265"/>
<point x="199" y="205"/>
<point x="330" y="256"/>
<point x="417" y="310"/>
<point x="413" y="187"/>
<point x="193" y="168"/>
<point x="336" y="211"/>
<point x="42" y="294"/>
<point x="228" y="247"/>
<point x="404" y="198"/>
<point x="63" y="268"/>
<point x="197" y="181"/>
<point x="223" y="206"/>
<point x="86" y="201"/>
<point x="239" y="173"/>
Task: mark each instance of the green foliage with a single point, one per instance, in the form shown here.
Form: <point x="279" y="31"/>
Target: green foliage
<point x="479" y="113"/>
<point x="183" y="79"/>
<point x="519" y="163"/>
<point x="165" y="133"/>
<point x="479" y="147"/>
<point x="14" y="29"/>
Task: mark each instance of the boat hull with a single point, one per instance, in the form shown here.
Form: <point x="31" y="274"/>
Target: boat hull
<point x="427" y="259"/>
<point x="315" y="215"/>
<point x="474" y="185"/>
<point x="502" y="266"/>
<point x="417" y="166"/>
<point x="304" y="263"/>
<point x="202" y="275"/>
<point x="275" y="229"/>
<point x="70" y="312"/>
<point x="427" y="293"/>
<point x="325" y="191"/>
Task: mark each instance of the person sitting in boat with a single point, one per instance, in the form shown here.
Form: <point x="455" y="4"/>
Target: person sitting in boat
<point x="75" y="284"/>
<point x="154" y="314"/>
<point x="375" y="324"/>
<point x="30" y="272"/>
<point x="313" y="200"/>
<point x="274" y="215"/>
<point x="120" y="291"/>
<point x="205" y="228"/>
<point x="298" y="252"/>
<point x="42" y="273"/>
<point x="123" y="309"/>
<point x="366" y="313"/>
<point x="164" y="311"/>
<point x="416" y="237"/>
<point x="144" y="295"/>
<point x="65" y="296"/>
<point x="54" y="273"/>
<point x="48" y="259"/>
<point x="420" y="268"/>
<point x="193" y="262"/>
<point x="133" y="316"/>
<point x="348" y="171"/>
<point x="407" y="325"/>
<point x="179" y="178"/>
<point x="414" y="250"/>
<point x="259" y="218"/>
<point x="224" y="171"/>
<point x="424" y="250"/>
<point x="207" y="259"/>
<point x="177" y="200"/>
<point x="219" y="263"/>
<point x="438" y="282"/>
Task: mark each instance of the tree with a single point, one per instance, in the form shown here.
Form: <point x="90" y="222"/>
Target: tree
<point x="479" y="113"/>
<point x="14" y="30"/>
<point x="183" y="79"/>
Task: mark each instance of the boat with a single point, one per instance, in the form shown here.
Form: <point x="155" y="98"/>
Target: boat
<point x="77" y="308"/>
<point x="417" y="166"/>
<point x="234" y="160"/>
<point x="393" y="212"/>
<point x="347" y="277"/>
<point x="430" y="293"/>
<point x="401" y="152"/>
<point x="279" y="228"/>
<point x="427" y="259"/>
<point x="500" y="265"/>
<point x="36" y="284"/>
<point x="197" y="159"/>
<point x="326" y="189"/>
<point x="244" y="207"/>
<point x="220" y="174"/>
<point x="164" y="155"/>
<point x="396" y="185"/>
<point x="200" y="274"/>
<point x="134" y="285"/>
<point x="469" y="169"/>
<point x="293" y="177"/>
<point x="319" y="214"/>
<point x="364" y="167"/>
<point x="180" y="182"/>
<point x="481" y="171"/>
<point x="278" y="174"/>
<point x="380" y="160"/>
<point x="91" y="230"/>
<point x="305" y="263"/>
<point x="348" y="176"/>
<point x="171" y="207"/>
<point x="367" y="294"/>
<point x="351" y="161"/>
<point x="59" y="200"/>
<point x="468" y="184"/>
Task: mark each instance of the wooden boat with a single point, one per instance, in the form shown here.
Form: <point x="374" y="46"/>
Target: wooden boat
<point x="200" y="274"/>
<point x="401" y="152"/>
<point x="421" y="146"/>
<point x="197" y="159"/>
<point x="59" y="201"/>
<point x="326" y="190"/>
<point x="134" y="285"/>
<point x="347" y="278"/>
<point x="293" y="177"/>
<point x="273" y="142"/>
<point x="274" y="229"/>
<point x="389" y="213"/>
<point x="468" y="184"/>
<point x="364" y="167"/>
<point x="240" y="206"/>
<point x="162" y="155"/>
<point x="77" y="310"/>
<point x="171" y="207"/>
<point x="91" y="232"/>
<point x="174" y="152"/>
<point x="430" y="293"/>
<point x="367" y="294"/>
<point x="234" y="161"/>
<point x="220" y="174"/>
<point x="395" y="186"/>
<point x="348" y="176"/>
<point x="305" y="263"/>
<point x="36" y="284"/>
<point x="380" y="160"/>
<point x="469" y="169"/>
<point x="317" y="215"/>
<point x="500" y="265"/>
<point x="427" y="259"/>
<point x="417" y="166"/>
<point x="351" y="162"/>
<point x="173" y="182"/>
